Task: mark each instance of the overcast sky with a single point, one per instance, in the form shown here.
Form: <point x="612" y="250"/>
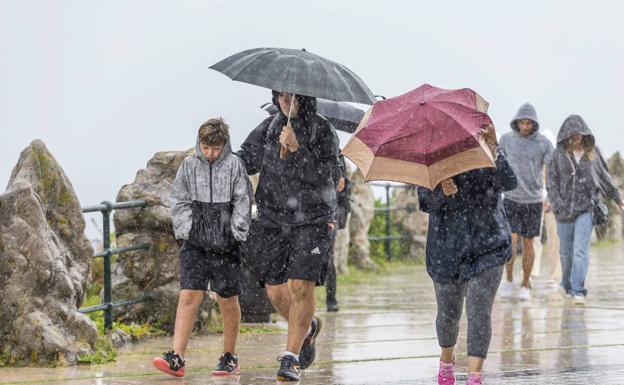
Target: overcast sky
<point x="106" y="84"/>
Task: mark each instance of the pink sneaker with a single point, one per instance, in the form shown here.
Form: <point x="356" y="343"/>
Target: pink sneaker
<point x="475" y="379"/>
<point x="446" y="373"/>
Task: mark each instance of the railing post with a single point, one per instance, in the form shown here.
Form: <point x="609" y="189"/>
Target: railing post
<point x="388" y="225"/>
<point x="108" y="297"/>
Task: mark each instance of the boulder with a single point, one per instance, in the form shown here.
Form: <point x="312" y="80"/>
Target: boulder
<point x="153" y="272"/>
<point x="412" y="222"/>
<point x="44" y="265"/>
<point x="613" y="230"/>
<point x="362" y="211"/>
<point x="341" y="248"/>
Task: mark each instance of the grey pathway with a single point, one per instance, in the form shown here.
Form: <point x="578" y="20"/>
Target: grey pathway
<point x="384" y="334"/>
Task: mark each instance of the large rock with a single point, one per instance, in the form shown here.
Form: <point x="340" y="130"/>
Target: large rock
<point x="613" y="230"/>
<point x="412" y="221"/>
<point x="44" y="264"/>
<point x="154" y="271"/>
<point x="341" y="248"/>
<point x="342" y="240"/>
<point x="362" y="211"/>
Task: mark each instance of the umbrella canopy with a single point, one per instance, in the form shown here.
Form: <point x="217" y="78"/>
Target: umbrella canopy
<point x="422" y="137"/>
<point x="296" y="71"/>
<point x="342" y="116"/>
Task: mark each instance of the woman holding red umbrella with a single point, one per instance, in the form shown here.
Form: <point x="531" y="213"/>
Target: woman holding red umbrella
<point x="468" y="244"/>
<point x="444" y="141"/>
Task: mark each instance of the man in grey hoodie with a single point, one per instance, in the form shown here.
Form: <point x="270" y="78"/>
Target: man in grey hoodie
<point x="211" y="213"/>
<point x="528" y="152"/>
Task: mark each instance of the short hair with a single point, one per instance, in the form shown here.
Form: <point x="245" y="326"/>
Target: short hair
<point x="214" y="132"/>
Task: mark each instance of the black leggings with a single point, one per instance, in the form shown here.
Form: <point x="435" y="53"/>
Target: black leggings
<point x="479" y="292"/>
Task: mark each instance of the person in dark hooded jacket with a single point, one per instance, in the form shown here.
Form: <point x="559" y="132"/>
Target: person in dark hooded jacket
<point x="577" y="178"/>
<point x="296" y="152"/>
<point x="468" y="244"/>
<point x="343" y="195"/>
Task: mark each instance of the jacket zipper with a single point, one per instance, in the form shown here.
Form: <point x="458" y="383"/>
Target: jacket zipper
<point x="210" y="182"/>
<point x="574" y="170"/>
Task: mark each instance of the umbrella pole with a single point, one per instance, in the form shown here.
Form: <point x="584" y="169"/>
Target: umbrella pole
<point x="290" y="109"/>
<point x="284" y="150"/>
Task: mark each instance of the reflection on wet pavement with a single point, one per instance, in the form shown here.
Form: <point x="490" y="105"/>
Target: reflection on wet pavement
<point x="385" y="334"/>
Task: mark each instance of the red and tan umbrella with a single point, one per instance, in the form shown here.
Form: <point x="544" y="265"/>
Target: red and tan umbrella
<point x="422" y="137"/>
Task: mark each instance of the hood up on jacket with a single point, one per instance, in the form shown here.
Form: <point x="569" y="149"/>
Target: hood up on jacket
<point x="526" y="111"/>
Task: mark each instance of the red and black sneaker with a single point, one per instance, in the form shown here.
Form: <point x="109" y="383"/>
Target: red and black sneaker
<point x="170" y="363"/>
<point x="228" y="364"/>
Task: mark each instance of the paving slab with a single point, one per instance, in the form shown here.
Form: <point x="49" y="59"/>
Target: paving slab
<point x="385" y="334"/>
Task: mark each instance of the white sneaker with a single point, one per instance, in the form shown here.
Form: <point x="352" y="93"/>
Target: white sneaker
<point x="567" y="295"/>
<point x="552" y="284"/>
<point x="578" y="300"/>
<point x="524" y="294"/>
<point x="505" y="290"/>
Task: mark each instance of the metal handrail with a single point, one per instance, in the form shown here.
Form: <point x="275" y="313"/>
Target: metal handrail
<point x="106" y="208"/>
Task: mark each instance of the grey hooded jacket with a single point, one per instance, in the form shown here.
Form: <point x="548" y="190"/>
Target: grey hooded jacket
<point x="528" y="156"/>
<point x="573" y="187"/>
<point x="225" y="180"/>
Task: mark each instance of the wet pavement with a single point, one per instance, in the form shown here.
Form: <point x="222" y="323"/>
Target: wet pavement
<point x="385" y="334"/>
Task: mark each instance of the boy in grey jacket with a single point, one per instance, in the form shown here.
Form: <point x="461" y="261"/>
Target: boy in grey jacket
<point x="211" y="214"/>
<point x="527" y="151"/>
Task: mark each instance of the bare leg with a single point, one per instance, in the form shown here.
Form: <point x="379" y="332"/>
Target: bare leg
<point x="301" y="312"/>
<point x="448" y="355"/>
<point x="475" y="364"/>
<point x="280" y="298"/>
<point x="528" y="258"/>
<point x="509" y="265"/>
<point x="188" y="304"/>
<point x="230" y="310"/>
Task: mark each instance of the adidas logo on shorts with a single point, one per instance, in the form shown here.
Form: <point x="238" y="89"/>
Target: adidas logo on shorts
<point x="316" y="250"/>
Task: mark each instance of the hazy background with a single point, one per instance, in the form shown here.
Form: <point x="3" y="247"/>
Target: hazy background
<point x="106" y="84"/>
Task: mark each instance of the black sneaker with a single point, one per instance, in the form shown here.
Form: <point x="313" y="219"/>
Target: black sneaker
<point x="332" y="306"/>
<point x="289" y="368"/>
<point x="170" y="363"/>
<point x="308" y="349"/>
<point x="228" y="364"/>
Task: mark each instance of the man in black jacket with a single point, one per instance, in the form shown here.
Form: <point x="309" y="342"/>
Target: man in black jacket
<point x="296" y="152"/>
<point x="343" y="196"/>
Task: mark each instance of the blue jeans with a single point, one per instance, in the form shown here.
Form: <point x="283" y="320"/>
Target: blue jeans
<point x="574" y="250"/>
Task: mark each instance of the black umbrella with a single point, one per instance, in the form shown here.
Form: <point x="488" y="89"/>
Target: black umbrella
<point x="296" y="71"/>
<point x="342" y="116"/>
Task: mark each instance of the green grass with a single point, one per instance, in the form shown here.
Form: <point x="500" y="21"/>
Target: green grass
<point x="104" y="353"/>
<point x="139" y="331"/>
<point x="6" y="359"/>
<point x="605" y="244"/>
<point x="378" y="253"/>
<point x="260" y="329"/>
<point x="358" y="277"/>
<point x="216" y="326"/>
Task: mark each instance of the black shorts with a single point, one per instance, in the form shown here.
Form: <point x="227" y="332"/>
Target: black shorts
<point x="276" y="255"/>
<point x="198" y="268"/>
<point x="525" y="219"/>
